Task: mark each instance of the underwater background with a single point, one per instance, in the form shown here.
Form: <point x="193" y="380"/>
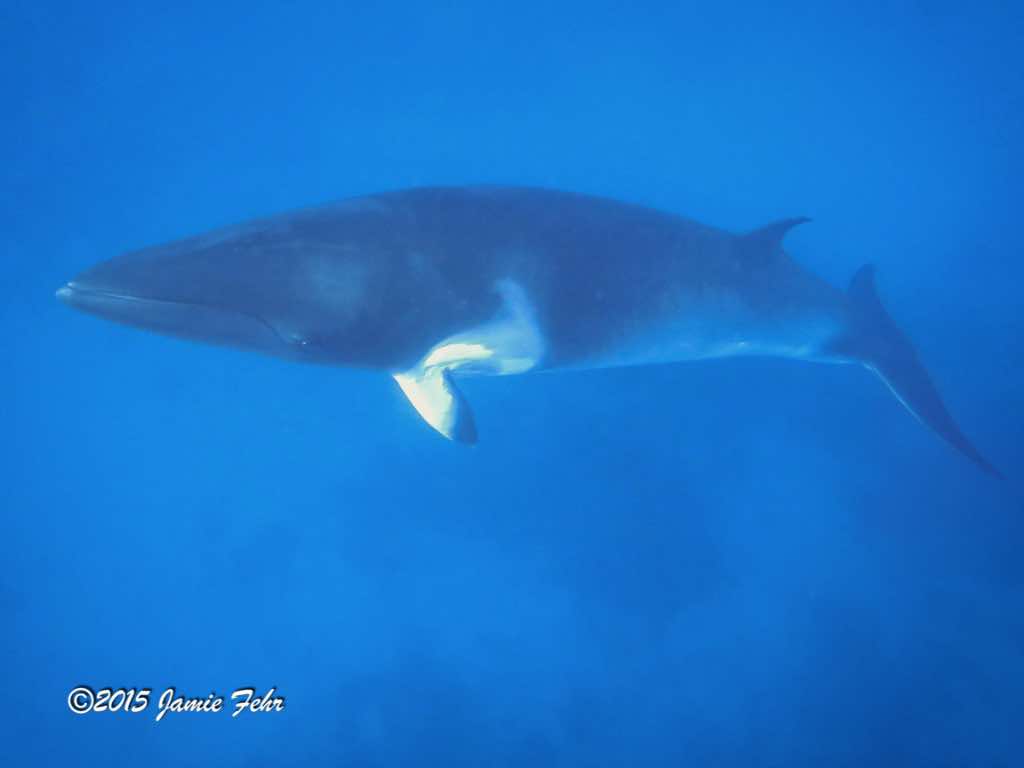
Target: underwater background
<point x="747" y="562"/>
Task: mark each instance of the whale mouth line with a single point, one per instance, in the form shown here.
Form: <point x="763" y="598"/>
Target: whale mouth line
<point x="76" y="295"/>
<point x="71" y="291"/>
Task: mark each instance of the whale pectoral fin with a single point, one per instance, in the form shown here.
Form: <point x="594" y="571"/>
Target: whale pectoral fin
<point x="436" y="398"/>
<point x="509" y="342"/>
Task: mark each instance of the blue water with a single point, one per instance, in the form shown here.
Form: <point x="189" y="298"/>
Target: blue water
<point x="752" y="562"/>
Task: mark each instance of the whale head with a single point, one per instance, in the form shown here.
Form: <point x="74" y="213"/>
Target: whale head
<point x="257" y="287"/>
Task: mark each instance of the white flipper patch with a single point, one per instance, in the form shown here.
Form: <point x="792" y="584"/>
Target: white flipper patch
<point x="510" y="343"/>
<point x="441" y="405"/>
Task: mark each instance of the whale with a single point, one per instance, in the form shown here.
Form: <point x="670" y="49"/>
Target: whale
<point x="430" y="285"/>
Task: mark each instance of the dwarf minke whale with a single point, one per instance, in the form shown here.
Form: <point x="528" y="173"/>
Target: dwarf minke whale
<point x="429" y="285"/>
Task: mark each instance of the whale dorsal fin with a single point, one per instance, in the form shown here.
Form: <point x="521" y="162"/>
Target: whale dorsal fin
<point x="767" y="241"/>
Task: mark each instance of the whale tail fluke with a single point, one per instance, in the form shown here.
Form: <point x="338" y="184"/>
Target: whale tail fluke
<point x="881" y="346"/>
